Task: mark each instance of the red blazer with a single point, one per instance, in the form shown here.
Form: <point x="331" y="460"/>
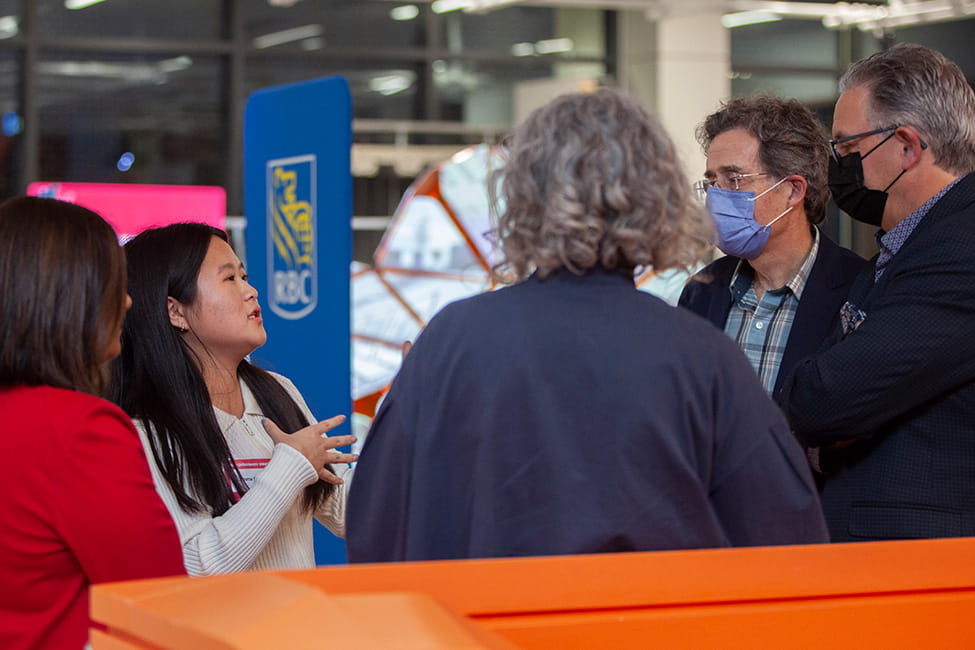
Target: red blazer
<point x="78" y="506"/>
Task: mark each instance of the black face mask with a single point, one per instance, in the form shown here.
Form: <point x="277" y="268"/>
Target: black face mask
<point x="849" y="192"/>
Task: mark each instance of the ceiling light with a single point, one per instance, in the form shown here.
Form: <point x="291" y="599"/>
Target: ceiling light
<point x="130" y="72"/>
<point x="484" y="6"/>
<point x="443" y="6"/>
<point x="288" y="36"/>
<point x="522" y="49"/>
<point x="742" y="18"/>
<point x="80" y="4"/>
<point x="142" y="73"/>
<point x="175" y="64"/>
<point x="8" y="26"/>
<point x="831" y="22"/>
<point x="554" y="45"/>
<point x="390" y="84"/>
<point x="404" y="12"/>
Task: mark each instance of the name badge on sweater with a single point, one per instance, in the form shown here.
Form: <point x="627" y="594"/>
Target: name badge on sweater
<point x="248" y="468"/>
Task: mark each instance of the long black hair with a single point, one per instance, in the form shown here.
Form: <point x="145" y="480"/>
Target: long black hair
<point x="157" y="376"/>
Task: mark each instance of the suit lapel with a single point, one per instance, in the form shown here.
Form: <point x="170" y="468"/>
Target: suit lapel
<point x="823" y="292"/>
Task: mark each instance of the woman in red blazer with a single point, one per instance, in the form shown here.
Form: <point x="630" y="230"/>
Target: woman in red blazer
<point x="78" y="505"/>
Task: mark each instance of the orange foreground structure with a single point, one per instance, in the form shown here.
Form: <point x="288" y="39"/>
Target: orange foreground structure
<point x="912" y="594"/>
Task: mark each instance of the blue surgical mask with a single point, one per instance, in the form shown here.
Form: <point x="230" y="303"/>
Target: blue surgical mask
<point x="733" y="211"/>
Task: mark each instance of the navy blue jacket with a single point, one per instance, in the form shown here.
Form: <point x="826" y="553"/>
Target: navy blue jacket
<point x="575" y="414"/>
<point x="902" y="385"/>
<point x="825" y="292"/>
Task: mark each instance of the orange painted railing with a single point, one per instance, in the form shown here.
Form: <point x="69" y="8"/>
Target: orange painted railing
<point x="913" y="594"/>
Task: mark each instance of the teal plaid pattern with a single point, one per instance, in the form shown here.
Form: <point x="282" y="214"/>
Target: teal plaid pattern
<point x="761" y="327"/>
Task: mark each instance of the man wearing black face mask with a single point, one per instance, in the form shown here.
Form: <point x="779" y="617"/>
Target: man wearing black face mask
<point x="890" y="402"/>
<point x="846" y="176"/>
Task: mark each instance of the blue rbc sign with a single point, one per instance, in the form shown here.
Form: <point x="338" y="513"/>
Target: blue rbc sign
<point x="298" y="204"/>
<point x="292" y="238"/>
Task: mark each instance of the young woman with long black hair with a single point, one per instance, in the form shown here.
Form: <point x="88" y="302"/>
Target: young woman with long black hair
<point x="242" y="492"/>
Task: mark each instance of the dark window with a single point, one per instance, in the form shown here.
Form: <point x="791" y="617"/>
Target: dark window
<point x="165" y="112"/>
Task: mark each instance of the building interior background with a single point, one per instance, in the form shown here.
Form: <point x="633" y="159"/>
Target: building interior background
<point x="154" y="91"/>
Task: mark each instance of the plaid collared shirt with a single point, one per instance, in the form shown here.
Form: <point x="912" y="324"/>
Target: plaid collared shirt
<point x="761" y="327"/>
<point x="891" y="242"/>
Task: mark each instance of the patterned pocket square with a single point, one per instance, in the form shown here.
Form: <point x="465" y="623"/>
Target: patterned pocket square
<point x="851" y="316"/>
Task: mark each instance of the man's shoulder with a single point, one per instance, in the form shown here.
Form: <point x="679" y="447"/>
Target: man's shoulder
<point x="711" y="281"/>
<point x="829" y="248"/>
<point x="956" y="208"/>
<point x="961" y="196"/>
<point x="837" y="257"/>
<point x="723" y="267"/>
<point x="717" y="273"/>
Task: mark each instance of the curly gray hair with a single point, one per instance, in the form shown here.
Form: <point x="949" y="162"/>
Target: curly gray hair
<point x="914" y="85"/>
<point x="591" y="181"/>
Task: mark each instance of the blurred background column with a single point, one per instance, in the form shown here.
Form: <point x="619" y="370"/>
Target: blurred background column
<point x="677" y="64"/>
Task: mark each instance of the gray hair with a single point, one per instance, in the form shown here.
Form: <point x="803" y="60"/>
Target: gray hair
<point x="591" y="181"/>
<point x="914" y="85"/>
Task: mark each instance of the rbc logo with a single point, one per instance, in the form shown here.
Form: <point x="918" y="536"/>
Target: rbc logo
<point x="292" y="236"/>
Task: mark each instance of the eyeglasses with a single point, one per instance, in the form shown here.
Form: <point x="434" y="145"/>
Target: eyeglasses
<point x="836" y="153"/>
<point x="729" y="182"/>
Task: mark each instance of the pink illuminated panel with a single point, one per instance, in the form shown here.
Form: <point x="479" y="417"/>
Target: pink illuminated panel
<point x="133" y="208"/>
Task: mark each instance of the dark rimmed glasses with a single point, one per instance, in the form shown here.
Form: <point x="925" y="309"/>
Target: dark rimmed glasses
<point x="837" y="155"/>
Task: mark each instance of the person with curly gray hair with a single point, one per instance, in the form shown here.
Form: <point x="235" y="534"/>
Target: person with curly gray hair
<point x="602" y="202"/>
<point x="571" y="412"/>
<point x="779" y="289"/>
<point x="890" y="402"/>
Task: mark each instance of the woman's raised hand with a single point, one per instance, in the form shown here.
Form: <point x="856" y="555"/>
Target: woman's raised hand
<point x="314" y="444"/>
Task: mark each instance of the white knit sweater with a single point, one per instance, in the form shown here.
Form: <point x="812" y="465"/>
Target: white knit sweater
<point x="268" y="528"/>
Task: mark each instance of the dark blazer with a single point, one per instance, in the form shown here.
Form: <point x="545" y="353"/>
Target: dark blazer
<point x="825" y="292"/>
<point x="902" y="385"/>
<point x="575" y="414"/>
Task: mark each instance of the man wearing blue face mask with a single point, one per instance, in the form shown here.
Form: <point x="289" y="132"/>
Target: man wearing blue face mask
<point x="779" y="291"/>
<point x="891" y="402"/>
